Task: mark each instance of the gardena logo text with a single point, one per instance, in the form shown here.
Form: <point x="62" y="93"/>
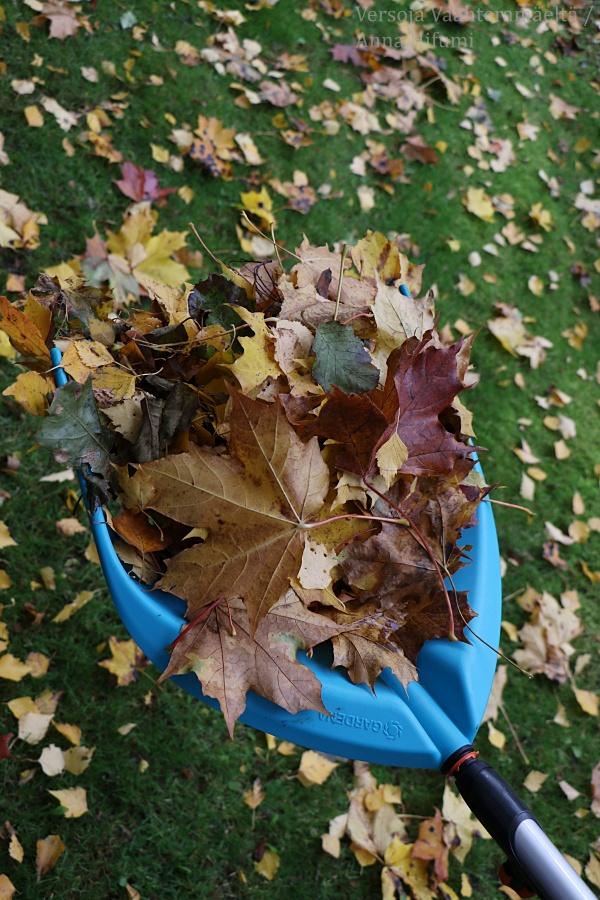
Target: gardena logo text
<point x="391" y="730"/>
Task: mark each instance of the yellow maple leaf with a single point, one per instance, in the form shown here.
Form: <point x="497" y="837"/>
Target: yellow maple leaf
<point x="31" y="390"/>
<point x="126" y="659"/>
<point x="256" y="363"/>
<point x="315" y="768"/>
<point x="259" y="204"/>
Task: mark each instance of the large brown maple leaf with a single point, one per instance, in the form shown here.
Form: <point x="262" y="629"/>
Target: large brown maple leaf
<point x="229" y="662"/>
<point x="255" y="503"/>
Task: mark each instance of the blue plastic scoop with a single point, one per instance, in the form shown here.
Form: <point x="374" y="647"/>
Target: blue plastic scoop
<point x="431" y="725"/>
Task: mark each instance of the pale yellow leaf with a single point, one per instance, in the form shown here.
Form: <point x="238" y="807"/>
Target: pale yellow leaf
<point x="587" y="700"/>
<point x="391" y="456"/>
<point x="331" y="844"/>
<point x="466" y="889"/>
<point x="315" y="768"/>
<point x="71" y="732"/>
<point x="48" y="579"/>
<point x="5" y="538"/>
<point x="33" y="726"/>
<point x="479" y="204"/>
<point x="12" y="669"/>
<point x="568" y="790"/>
<point x="534" y="781"/>
<point x="69" y="609"/>
<point x="7" y="888"/>
<point x="73" y="801"/>
<point x="5" y="581"/>
<point x="495" y="737"/>
<point x="592" y="870"/>
<point x="70" y="526"/>
<point x="52" y="760"/>
<point x="286" y="748"/>
<point x="561" y="716"/>
<point x="16" y="852"/>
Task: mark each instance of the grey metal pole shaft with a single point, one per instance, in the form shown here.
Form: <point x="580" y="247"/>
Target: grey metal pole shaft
<point x="546" y="866"/>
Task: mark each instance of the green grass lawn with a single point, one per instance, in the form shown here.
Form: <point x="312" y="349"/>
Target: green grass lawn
<point x="178" y="828"/>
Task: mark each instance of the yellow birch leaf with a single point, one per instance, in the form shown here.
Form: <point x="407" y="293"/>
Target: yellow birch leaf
<point x="541" y="217"/>
<point x="268" y="865"/>
<point x="7" y="888"/>
<point x="30" y="390"/>
<point x="363" y="857"/>
<point x="7" y="351"/>
<point x="314" y="768"/>
<point x="271" y="741"/>
<point x="466" y="889"/>
<point x="71" y="732"/>
<point x="561" y="716"/>
<point x="126" y="658"/>
<point x="73" y="801"/>
<point x="15" y="851"/>
<point x="48" y="579"/>
<point x="447" y="893"/>
<point x="69" y="609"/>
<point x="21" y="705"/>
<point x="33" y="727"/>
<point x="495" y="737"/>
<point x="479" y="204"/>
<point x="5" y="581"/>
<point x="5" y="538"/>
<point x="587" y="700"/>
<point x="260" y="204"/>
<point x="534" y="781"/>
<point x="286" y="748"/>
<point x="592" y="870"/>
<point x="12" y="669"/>
<point x="77" y="759"/>
<point x="91" y="553"/>
<point x="34" y="116"/>
<point x="331" y="844"/>
<point x="391" y="456"/>
<point x="48" y="852"/>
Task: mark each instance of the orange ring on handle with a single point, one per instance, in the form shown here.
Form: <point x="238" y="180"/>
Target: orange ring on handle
<point x="471" y="754"/>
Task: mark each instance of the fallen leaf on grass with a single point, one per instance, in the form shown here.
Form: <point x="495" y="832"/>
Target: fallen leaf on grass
<point x="268" y="864"/>
<point x="315" y="768"/>
<point x="52" y="760"/>
<point x="48" y="852"/>
<point x="69" y="609"/>
<point x="69" y="527"/>
<point x="13" y="669"/>
<point x="7" y="888"/>
<point x="588" y="701"/>
<point x="127" y="659"/>
<point x="73" y="801"/>
<point x="570" y="792"/>
<point x="255" y="795"/>
<point x="5" y="538"/>
<point x="534" y="781"/>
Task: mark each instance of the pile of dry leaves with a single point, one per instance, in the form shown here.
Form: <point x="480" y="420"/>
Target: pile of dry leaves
<point x="289" y="451"/>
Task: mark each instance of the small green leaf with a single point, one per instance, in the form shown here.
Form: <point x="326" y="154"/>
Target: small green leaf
<point x="73" y="431"/>
<point x="342" y="360"/>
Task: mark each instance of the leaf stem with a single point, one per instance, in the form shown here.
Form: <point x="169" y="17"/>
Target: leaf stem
<point x="267" y="238"/>
<point x="339" y="290"/>
<point x="511" y="505"/>
<point x="368" y="518"/>
<point x="205" y="612"/>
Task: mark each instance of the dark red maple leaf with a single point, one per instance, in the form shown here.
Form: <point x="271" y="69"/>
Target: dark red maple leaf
<point x="423" y="379"/>
<point x="140" y="184"/>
